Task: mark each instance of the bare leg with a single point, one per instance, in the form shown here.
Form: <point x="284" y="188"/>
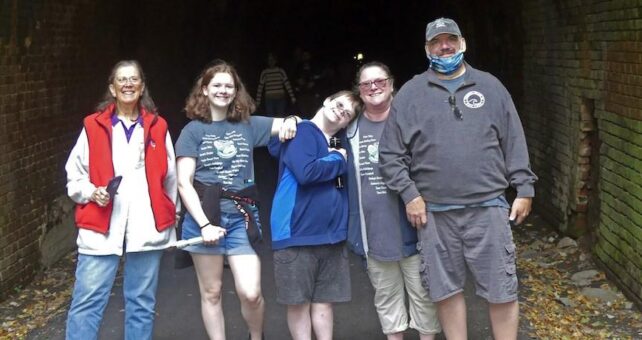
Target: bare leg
<point x="395" y="336"/>
<point x="399" y="336"/>
<point x="322" y="320"/>
<point x="426" y="336"/>
<point x="504" y="318"/>
<point x="452" y="315"/>
<point x="247" y="279"/>
<point x="209" y="271"/>
<point x="299" y="322"/>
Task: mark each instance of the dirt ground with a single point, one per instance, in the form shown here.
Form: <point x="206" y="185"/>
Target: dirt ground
<point x="554" y="303"/>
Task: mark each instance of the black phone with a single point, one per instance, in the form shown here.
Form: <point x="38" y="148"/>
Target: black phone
<point x="112" y="186"/>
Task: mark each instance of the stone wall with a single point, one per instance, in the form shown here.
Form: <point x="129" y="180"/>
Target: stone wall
<point x="582" y="112"/>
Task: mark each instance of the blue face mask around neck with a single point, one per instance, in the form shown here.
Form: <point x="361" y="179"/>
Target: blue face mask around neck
<point x="446" y="65"/>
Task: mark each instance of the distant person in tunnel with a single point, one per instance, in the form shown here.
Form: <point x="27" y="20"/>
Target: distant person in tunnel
<point x="310" y="220"/>
<point x="452" y="145"/>
<point x="274" y="89"/>
<point x="306" y="84"/>
<point x="133" y="217"/>
<point x="377" y="227"/>
<point x="216" y="183"/>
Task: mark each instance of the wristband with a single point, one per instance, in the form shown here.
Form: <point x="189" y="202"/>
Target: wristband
<point x="205" y="225"/>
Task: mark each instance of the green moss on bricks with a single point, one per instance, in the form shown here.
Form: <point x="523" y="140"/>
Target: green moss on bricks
<point x="622" y="188"/>
<point x="617" y="223"/>
<point x="626" y="146"/>
<point x="616" y="208"/>
<point x="610" y="244"/>
<point x="630" y="174"/>
<point x="622" y="123"/>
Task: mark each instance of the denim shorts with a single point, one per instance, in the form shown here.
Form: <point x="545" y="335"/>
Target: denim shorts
<point x="235" y="241"/>
<point x="317" y="274"/>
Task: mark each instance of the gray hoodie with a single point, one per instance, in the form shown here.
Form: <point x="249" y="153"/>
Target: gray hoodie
<point x="427" y="150"/>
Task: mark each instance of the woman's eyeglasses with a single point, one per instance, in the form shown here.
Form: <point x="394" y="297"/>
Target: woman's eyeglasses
<point x="380" y="83"/>
<point x="124" y="80"/>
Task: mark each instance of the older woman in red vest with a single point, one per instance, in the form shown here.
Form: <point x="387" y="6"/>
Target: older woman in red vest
<point x="122" y="175"/>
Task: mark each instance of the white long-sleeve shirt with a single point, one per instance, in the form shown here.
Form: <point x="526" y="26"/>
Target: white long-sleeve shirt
<point x="132" y="227"/>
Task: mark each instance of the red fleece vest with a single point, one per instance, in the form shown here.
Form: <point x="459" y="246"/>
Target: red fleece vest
<point x="101" y="169"/>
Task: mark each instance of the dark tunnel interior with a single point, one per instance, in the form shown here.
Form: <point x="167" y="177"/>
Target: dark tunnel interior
<point x="175" y="40"/>
<point x="573" y="69"/>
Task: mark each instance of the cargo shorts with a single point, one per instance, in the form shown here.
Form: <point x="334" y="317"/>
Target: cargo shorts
<point x="479" y="238"/>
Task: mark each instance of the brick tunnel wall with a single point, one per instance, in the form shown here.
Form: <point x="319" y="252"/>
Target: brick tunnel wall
<point x="49" y="54"/>
<point x="580" y="103"/>
<point x="582" y="111"/>
<point x="55" y="57"/>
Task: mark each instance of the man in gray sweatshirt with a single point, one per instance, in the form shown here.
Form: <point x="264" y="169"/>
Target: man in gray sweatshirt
<point x="452" y="145"/>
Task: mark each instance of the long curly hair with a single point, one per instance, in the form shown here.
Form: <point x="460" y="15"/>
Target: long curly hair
<point x="145" y="100"/>
<point x="197" y="105"/>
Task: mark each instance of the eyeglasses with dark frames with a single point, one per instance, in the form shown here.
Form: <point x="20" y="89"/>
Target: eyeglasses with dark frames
<point x="380" y="83"/>
<point x="453" y="106"/>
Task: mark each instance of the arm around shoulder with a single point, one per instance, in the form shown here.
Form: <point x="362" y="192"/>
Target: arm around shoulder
<point x="286" y="127"/>
<point x="309" y="160"/>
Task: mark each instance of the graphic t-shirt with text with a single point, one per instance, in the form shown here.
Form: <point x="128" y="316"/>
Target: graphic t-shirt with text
<point x="380" y="206"/>
<point x="223" y="150"/>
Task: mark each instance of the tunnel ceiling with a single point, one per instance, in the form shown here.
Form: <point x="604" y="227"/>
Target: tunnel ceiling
<point x="333" y="31"/>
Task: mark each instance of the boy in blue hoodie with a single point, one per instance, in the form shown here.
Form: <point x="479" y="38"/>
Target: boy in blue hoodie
<point x="309" y="220"/>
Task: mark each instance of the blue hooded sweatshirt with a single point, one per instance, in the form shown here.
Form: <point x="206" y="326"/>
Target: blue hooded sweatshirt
<point x="308" y="209"/>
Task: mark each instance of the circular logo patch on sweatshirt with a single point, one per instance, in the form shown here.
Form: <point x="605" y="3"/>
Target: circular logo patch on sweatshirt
<point x="474" y="99"/>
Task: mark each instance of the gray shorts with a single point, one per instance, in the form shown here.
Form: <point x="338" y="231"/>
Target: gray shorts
<point x="479" y="238"/>
<point x="319" y="274"/>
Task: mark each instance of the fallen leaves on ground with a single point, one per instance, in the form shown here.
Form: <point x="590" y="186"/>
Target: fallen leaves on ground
<point x="32" y="307"/>
<point x="550" y="304"/>
<point x="554" y="306"/>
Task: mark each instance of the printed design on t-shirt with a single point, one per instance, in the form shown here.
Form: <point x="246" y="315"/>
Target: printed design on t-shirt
<point x="369" y="164"/>
<point x="474" y="99"/>
<point x="227" y="155"/>
<point x="373" y="152"/>
<point x="225" y="148"/>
